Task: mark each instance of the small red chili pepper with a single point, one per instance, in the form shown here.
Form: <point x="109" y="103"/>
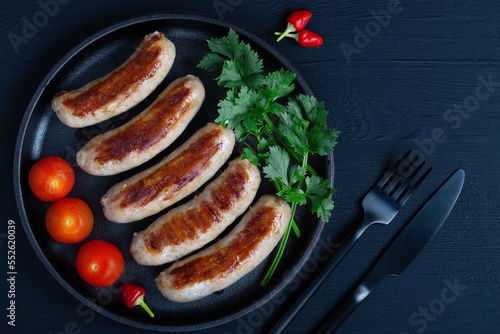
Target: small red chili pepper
<point x="133" y="295"/>
<point x="296" y="22"/>
<point x="308" y="39"/>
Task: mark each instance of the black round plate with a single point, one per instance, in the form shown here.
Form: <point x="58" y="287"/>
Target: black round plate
<point x="42" y="134"/>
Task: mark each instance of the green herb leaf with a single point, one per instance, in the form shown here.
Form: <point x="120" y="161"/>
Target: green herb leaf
<point x="297" y="173"/>
<point x="249" y="153"/>
<point x="227" y="46"/>
<point x="317" y="185"/>
<point x="278" y="84"/>
<point x="294" y="129"/>
<point x="318" y="191"/>
<point x="295" y="195"/>
<point x="322" y="207"/>
<point x="211" y="62"/>
<point x="277" y="164"/>
<point x="321" y="140"/>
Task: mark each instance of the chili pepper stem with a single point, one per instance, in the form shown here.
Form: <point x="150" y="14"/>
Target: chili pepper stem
<point x="140" y="301"/>
<point x="289" y="28"/>
<point x="296" y="36"/>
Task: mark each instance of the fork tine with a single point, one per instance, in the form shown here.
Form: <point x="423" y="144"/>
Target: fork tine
<point x="407" y="180"/>
<point x="411" y="188"/>
<point x="389" y="173"/>
<point x="402" y="176"/>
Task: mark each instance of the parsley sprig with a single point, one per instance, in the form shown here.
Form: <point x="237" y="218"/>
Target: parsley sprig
<point x="278" y="137"/>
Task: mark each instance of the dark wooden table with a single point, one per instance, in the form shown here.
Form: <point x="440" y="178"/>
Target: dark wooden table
<point x="394" y="75"/>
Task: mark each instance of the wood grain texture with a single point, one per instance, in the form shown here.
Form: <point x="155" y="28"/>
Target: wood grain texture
<point x="389" y="98"/>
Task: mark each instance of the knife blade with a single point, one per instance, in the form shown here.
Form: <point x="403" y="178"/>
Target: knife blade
<point x="405" y="247"/>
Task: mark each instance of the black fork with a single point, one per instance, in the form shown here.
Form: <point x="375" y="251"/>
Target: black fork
<point x="380" y="206"/>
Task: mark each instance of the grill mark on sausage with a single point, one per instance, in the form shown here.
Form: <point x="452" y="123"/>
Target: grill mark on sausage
<point x="230" y="190"/>
<point x="176" y="173"/>
<point x="183" y="226"/>
<point x="229" y="257"/>
<point x="127" y="79"/>
<point x="140" y="136"/>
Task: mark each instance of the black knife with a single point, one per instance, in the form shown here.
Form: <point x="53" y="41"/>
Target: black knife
<point x="405" y="247"/>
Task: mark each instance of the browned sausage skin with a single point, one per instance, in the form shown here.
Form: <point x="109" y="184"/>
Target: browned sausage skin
<point x="173" y="178"/>
<point x="147" y="134"/>
<point x="194" y="224"/>
<point x="121" y="89"/>
<point x="235" y="255"/>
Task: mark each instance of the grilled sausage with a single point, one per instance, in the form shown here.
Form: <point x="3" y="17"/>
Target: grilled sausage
<point x="147" y="134"/>
<point x="173" y="178"/>
<point x="121" y="89"/>
<point x="232" y="257"/>
<point x="194" y="224"/>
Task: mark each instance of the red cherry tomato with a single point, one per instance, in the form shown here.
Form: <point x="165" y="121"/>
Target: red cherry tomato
<point x="51" y="179"/>
<point x="99" y="263"/>
<point x="69" y="220"/>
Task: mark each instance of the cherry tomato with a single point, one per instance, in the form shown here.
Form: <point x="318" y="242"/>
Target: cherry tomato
<point x="51" y="179"/>
<point x="99" y="263"/>
<point x="69" y="220"/>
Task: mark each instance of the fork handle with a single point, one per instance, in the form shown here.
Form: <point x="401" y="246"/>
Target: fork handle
<point x="344" y="248"/>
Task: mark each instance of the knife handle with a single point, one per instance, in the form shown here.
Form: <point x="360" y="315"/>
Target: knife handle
<point x="309" y="291"/>
<point x="345" y="310"/>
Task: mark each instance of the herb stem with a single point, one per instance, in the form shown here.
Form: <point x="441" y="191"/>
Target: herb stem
<point x="292" y="221"/>
<point x="281" y="249"/>
<point x="296" y="229"/>
<point x="284" y="239"/>
<point x="277" y="185"/>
